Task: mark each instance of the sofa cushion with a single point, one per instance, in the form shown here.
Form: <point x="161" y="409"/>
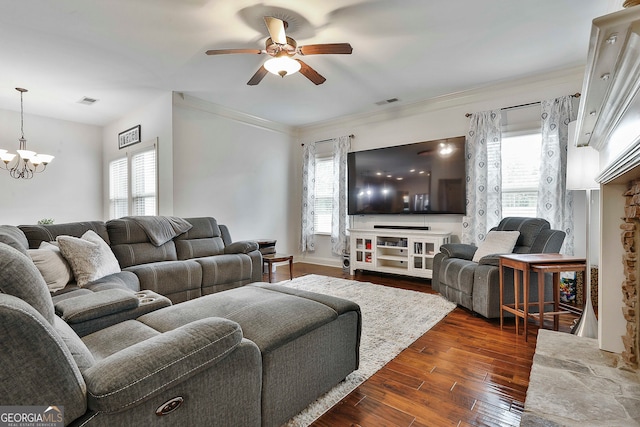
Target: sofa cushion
<point x="20" y="277"/>
<point x="54" y="268"/>
<point x="36" y="234"/>
<point x="268" y="318"/>
<point x="225" y="269"/>
<point x="81" y="354"/>
<point x="96" y="304"/>
<point x="203" y="239"/>
<point x="131" y="245"/>
<point x="89" y="256"/>
<point x="529" y="229"/>
<point x="496" y="242"/>
<point x="177" y="280"/>
<point x="119" y="280"/>
<point x="242" y="247"/>
<point x="14" y="237"/>
<point x="196" y="248"/>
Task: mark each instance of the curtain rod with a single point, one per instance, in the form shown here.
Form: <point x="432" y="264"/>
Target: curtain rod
<point x="327" y="140"/>
<point x="575" y="95"/>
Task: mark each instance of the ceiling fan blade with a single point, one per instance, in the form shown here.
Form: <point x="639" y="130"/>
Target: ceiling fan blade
<point x="310" y="73"/>
<point x="276" y="29"/>
<point x="258" y="76"/>
<point x="328" y="48"/>
<point x="227" y="51"/>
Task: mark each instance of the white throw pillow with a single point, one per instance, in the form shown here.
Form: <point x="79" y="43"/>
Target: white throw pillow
<point x="497" y="242"/>
<point x="52" y="265"/>
<point x="90" y="257"/>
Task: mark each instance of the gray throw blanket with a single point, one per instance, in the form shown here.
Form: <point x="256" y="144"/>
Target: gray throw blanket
<point x="161" y="229"/>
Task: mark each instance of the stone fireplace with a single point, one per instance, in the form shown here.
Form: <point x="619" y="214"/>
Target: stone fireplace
<point x="631" y="244"/>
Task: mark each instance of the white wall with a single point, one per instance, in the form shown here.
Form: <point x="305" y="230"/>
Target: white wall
<point x="155" y="122"/>
<point x="71" y="187"/>
<point x="432" y="119"/>
<point x="235" y="168"/>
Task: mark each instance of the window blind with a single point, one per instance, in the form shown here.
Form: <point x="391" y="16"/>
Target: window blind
<point x="118" y="185"/>
<point x="323" y="204"/>
<point x="143" y="183"/>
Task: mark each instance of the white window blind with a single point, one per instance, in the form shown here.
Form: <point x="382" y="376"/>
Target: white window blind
<point x="520" y="174"/>
<point x="323" y="195"/>
<point x="118" y="188"/>
<point x="143" y="183"/>
<point x="133" y="184"/>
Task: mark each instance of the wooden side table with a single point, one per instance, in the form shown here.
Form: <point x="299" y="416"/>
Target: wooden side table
<point x="522" y="265"/>
<point x="270" y="259"/>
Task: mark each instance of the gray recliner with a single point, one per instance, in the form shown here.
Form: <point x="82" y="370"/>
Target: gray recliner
<point x="124" y="374"/>
<point x="476" y="285"/>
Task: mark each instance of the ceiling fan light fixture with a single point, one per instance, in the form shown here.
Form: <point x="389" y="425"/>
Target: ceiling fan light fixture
<point x="282" y="65"/>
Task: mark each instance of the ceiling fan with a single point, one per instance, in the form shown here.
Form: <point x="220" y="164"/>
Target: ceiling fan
<point x="282" y="49"/>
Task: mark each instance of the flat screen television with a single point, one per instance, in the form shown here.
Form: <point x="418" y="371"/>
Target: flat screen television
<point x="421" y="178"/>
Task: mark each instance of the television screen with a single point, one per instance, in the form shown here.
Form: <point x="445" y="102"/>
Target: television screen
<point x="421" y="178"/>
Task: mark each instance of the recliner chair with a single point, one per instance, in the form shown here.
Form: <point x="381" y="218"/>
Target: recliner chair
<point x="476" y="285"/>
<point x="127" y="374"/>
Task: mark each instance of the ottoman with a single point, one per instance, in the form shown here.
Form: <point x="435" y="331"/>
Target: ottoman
<point x="309" y="342"/>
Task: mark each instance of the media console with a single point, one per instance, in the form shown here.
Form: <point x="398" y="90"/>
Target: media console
<point x="402" y="251"/>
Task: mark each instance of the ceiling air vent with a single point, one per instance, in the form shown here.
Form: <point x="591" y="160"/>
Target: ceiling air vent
<point x="87" y="101"/>
<point x="387" y="101"/>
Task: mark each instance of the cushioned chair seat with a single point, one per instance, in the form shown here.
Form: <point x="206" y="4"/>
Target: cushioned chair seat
<point x="222" y="272"/>
<point x="177" y="280"/>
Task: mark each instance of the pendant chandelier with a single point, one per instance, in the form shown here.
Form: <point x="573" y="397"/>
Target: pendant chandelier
<point x="26" y="163"/>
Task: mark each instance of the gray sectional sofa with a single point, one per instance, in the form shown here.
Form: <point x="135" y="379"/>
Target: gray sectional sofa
<point x="200" y="261"/>
<point x="254" y="355"/>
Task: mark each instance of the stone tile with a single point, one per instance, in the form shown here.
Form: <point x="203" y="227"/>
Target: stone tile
<point x="574" y="383"/>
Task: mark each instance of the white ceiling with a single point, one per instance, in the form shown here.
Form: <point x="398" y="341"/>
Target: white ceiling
<point x="127" y="52"/>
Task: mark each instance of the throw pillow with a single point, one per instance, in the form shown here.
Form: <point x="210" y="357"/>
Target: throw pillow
<point x="497" y="242"/>
<point x="54" y="268"/>
<point x="90" y="257"/>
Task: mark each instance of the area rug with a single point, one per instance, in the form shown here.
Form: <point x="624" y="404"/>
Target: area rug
<point x="392" y="319"/>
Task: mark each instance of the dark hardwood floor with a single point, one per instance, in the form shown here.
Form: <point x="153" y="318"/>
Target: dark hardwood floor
<point x="465" y="371"/>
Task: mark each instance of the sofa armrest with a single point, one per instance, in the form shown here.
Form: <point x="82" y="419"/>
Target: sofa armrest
<point x="458" y="250"/>
<point x="490" y="260"/>
<point x="95" y="304"/>
<point x="147" y="368"/>
<point x="241" y="247"/>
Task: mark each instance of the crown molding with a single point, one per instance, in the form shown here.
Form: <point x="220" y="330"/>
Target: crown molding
<point x="183" y="100"/>
<point x="526" y="86"/>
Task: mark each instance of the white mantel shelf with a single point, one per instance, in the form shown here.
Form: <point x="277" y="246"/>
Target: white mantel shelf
<point x="609" y="121"/>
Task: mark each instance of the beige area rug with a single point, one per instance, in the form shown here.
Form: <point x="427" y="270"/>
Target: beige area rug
<point x="392" y="319"/>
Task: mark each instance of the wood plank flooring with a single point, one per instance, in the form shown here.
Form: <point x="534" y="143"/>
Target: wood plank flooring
<point x="464" y="372"/>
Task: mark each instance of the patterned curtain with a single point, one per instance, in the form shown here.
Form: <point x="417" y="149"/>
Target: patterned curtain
<point x="307" y="239"/>
<point x="555" y="203"/>
<point x="339" y="213"/>
<point x="484" y="177"/>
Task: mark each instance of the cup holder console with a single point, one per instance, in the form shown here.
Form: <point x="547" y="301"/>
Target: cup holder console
<point x="145" y="297"/>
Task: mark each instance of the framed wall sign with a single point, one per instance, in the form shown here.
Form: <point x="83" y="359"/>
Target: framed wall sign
<point x="129" y="137"/>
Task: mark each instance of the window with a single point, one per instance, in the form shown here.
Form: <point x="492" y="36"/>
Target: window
<point x="323" y="205"/>
<point x="143" y="183"/>
<point x="132" y="184"/>
<point x="118" y="185"/>
<point x="520" y="174"/>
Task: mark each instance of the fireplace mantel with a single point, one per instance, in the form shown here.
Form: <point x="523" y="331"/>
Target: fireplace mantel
<point x="609" y="121"/>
